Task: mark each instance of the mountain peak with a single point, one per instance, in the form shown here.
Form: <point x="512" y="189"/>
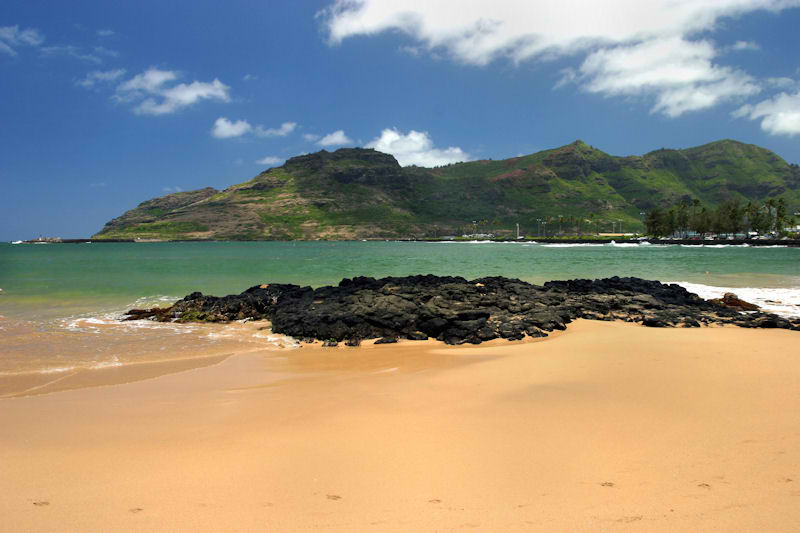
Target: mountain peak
<point x="367" y="156"/>
<point x="357" y="193"/>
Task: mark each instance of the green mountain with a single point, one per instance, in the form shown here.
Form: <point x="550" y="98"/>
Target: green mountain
<point x="356" y="193"/>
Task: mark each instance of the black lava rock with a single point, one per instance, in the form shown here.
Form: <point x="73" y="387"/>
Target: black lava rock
<point x="454" y="310"/>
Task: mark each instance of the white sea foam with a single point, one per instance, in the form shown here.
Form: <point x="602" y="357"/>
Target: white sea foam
<point x="783" y="302"/>
<point x="56" y="370"/>
<point x="570" y="245"/>
<point x="150" y="301"/>
<point x="279" y="341"/>
<point x="745" y="245"/>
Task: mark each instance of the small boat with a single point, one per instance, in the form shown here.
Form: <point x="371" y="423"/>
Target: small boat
<point x="16" y="242"/>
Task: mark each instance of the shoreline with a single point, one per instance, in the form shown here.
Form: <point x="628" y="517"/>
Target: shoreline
<point x="605" y="426"/>
<point x="36" y="383"/>
<point x="790" y="243"/>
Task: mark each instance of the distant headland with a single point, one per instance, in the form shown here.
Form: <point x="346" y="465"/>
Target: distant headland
<point x="356" y="193"/>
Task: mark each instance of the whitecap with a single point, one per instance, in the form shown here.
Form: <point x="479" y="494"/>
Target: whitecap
<point x="569" y="244"/>
<point x="781" y="301"/>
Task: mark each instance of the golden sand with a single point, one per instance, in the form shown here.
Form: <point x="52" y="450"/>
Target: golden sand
<point x="608" y="427"/>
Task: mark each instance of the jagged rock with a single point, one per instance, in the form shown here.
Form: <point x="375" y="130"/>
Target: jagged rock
<point x="729" y="299"/>
<point x="456" y="311"/>
<point x="386" y="340"/>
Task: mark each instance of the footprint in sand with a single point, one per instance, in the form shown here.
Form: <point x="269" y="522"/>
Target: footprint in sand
<point x="434" y="501"/>
<point x="704" y="485"/>
<point x="629" y="519"/>
<point x="41" y="503"/>
<point x="334" y="497"/>
<point x="607" y="484"/>
<point x="135" y="510"/>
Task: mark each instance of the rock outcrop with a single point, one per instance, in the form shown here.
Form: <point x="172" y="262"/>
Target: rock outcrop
<point x="731" y="300"/>
<point x="456" y="311"/>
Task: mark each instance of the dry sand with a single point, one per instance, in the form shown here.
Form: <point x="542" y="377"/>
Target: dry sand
<point x="608" y="427"/>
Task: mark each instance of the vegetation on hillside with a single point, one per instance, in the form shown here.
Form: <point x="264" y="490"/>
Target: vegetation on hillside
<point x="731" y="217"/>
<point x="356" y="193"/>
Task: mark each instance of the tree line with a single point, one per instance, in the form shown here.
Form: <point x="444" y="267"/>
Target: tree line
<point x="731" y="217"/>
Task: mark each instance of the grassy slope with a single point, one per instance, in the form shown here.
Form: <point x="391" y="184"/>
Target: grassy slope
<point x="354" y="193"/>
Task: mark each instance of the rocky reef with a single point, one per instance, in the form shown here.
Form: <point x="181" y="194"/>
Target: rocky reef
<point x="455" y="310"/>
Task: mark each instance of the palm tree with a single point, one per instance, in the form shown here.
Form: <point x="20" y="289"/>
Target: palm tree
<point x="770" y="205"/>
<point x="780" y="215"/>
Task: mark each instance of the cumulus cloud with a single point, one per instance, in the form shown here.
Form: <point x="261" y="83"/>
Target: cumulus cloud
<point x="149" y="81"/>
<point x="155" y="97"/>
<point x="285" y="129"/>
<point x="224" y="129"/>
<point x="745" y="45"/>
<point x="416" y="148"/>
<point x="337" y="138"/>
<point x="476" y="32"/>
<point x="782" y="82"/>
<point x="780" y="115"/>
<point x="97" y="76"/>
<point x="12" y="37"/>
<point x="269" y="160"/>
<point x="679" y="73"/>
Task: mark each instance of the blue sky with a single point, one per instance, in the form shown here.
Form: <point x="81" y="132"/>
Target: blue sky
<point x="107" y="104"/>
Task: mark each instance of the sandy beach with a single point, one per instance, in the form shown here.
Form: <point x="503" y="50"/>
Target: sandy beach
<point x="606" y="427"/>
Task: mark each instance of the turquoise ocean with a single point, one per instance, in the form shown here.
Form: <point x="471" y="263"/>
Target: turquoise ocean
<point x="60" y="302"/>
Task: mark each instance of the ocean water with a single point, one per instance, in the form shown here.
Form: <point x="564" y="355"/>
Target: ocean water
<point x="60" y="302"/>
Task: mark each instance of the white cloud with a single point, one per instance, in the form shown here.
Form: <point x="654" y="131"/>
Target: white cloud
<point x="184" y="95"/>
<point x="151" y="89"/>
<point x="269" y="160"/>
<point x="149" y="81"/>
<point x="679" y="73"/>
<point x="105" y="33"/>
<point x="336" y="138"/>
<point x="249" y="77"/>
<point x="69" y="51"/>
<point x="12" y="37"/>
<point x="97" y="76"/>
<point x="416" y="148"/>
<point x="225" y="129"/>
<point x="745" y="45"/>
<point x="103" y="51"/>
<point x="782" y="83"/>
<point x="285" y="129"/>
<point x="310" y="137"/>
<point x="660" y="35"/>
<point x="780" y="114"/>
<point x="477" y="32"/>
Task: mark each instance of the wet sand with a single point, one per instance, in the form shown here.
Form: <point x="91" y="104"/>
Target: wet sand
<point x="607" y="427"/>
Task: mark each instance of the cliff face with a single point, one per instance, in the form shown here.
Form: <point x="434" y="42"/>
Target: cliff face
<point x="356" y="193"/>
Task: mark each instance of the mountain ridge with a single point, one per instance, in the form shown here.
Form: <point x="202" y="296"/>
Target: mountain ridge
<point x="357" y="193"/>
